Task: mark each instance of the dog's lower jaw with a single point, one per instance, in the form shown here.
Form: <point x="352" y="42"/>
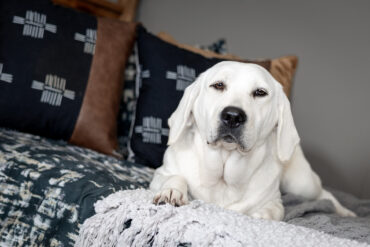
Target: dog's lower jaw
<point x="229" y="145"/>
<point x="227" y="142"/>
<point x="241" y="148"/>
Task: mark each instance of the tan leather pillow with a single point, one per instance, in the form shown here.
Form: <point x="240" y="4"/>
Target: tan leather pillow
<point x="96" y="125"/>
<point x="282" y="68"/>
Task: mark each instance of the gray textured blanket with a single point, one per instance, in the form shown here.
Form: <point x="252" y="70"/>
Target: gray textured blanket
<point x="320" y="215"/>
<point x="128" y="218"/>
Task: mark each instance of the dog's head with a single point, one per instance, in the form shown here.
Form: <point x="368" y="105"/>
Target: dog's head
<point x="236" y="106"/>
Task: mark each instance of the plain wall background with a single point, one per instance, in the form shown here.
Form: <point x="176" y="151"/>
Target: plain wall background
<point x="330" y="97"/>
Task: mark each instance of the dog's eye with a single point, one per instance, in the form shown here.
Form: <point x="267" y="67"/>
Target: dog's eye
<point x="260" y="92"/>
<point x="219" y="85"/>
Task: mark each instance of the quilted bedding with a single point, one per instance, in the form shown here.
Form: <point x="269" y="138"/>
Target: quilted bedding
<point x="48" y="188"/>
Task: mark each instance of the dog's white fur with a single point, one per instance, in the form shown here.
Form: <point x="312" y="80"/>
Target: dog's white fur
<point x="247" y="176"/>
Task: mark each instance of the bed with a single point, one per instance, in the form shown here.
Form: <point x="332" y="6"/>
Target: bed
<point x="48" y="190"/>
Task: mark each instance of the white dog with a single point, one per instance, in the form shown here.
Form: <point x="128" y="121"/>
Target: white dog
<point x="233" y="142"/>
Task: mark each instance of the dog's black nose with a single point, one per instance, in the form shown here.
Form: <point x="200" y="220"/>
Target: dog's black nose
<point x="233" y="117"/>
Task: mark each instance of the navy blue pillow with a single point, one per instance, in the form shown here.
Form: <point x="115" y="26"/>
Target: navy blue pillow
<point x="165" y="71"/>
<point x="44" y="72"/>
<point x="129" y="95"/>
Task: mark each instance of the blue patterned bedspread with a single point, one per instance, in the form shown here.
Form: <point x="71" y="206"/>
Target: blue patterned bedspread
<point x="48" y="188"/>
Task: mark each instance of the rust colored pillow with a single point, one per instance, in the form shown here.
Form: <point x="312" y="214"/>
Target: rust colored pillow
<point x="282" y="68"/>
<point x="62" y="72"/>
<point x="96" y="125"/>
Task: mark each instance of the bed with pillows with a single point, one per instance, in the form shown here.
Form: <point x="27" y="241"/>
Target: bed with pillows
<point x="84" y="103"/>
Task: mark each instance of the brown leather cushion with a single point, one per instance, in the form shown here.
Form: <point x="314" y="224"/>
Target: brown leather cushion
<point x="96" y="125"/>
<point x="282" y="68"/>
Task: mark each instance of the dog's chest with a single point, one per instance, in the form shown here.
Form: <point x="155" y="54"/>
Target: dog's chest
<point x="229" y="167"/>
<point x="221" y="178"/>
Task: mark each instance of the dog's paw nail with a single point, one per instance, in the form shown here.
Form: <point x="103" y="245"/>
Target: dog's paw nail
<point x="155" y="200"/>
<point x="170" y="196"/>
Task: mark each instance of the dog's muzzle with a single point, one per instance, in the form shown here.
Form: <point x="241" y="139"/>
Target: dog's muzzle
<point x="230" y="129"/>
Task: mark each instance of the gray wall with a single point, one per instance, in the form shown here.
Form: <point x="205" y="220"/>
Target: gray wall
<point x="331" y="102"/>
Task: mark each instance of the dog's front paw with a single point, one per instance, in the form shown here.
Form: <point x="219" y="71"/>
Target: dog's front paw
<point x="172" y="196"/>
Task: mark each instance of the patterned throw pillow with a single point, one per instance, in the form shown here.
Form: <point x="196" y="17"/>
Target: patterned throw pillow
<point x="129" y="94"/>
<point x="166" y="69"/>
<point x="61" y="72"/>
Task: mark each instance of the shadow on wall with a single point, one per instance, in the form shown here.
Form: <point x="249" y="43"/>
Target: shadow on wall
<point x="326" y="168"/>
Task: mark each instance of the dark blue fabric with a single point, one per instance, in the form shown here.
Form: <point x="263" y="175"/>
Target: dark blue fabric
<point x="48" y="188"/>
<point x="31" y="56"/>
<point x="158" y="96"/>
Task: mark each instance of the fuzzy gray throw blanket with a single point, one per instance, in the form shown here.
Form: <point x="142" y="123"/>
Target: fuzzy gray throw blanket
<point x="128" y="218"/>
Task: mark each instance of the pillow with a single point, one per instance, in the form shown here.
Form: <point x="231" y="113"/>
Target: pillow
<point x="129" y="95"/>
<point x="61" y="72"/>
<point x="166" y="68"/>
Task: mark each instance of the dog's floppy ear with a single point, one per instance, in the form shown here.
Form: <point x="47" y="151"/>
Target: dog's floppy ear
<point x="181" y="117"/>
<point x="287" y="135"/>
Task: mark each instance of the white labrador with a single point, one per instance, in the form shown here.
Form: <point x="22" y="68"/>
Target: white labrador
<point x="233" y="142"/>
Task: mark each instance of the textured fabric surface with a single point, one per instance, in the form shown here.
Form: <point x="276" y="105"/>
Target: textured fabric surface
<point x="61" y="72"/>
<point x="166" y="68"/>
<point x="128" y="218"/>
<point x="320" y="215"/>
<point x="48" y="188"/>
